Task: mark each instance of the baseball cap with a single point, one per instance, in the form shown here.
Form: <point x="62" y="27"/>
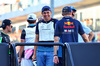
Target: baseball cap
<point x="5" y="23"/>
<point x="73" y="8"/>
<point x="31" y="17"/>
<point x="66" y="9"/>
<point x="46" y="8"/>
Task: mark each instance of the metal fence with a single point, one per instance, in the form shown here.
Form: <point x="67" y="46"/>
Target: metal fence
<point x="73" y="54"/>
<point x="45" y="44"/>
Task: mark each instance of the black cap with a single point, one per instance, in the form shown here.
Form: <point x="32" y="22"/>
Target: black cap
<point x="67" y="9"/>
<point x="46" y="8"/>
<point x="5" y="23"/>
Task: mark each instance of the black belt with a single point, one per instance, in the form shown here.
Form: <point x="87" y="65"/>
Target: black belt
<point x="47" y="42"/>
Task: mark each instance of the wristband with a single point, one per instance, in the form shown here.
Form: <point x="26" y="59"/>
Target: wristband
<point x="19" y="58"/>
<point x="55" y="55"/>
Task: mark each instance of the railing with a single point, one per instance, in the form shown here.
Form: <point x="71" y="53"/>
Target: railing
<point x="45" y="44"/>
<point x="73" y="54"/>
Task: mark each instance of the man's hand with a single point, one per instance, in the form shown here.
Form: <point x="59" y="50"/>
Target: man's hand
<point x="55" y="59"/>
<point x="19" y="60"/>
<point x="33" y="57"/>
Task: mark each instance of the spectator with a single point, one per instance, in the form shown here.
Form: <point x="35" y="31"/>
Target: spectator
<point x="86" y="29"/>
<point x="40" y="18"/>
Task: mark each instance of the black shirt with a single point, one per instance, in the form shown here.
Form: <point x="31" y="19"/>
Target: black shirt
<point x="5" y="38"/>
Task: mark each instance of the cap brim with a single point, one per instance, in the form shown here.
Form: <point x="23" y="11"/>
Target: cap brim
<point x="74" y="10"/>
<point x="31" y="19"/>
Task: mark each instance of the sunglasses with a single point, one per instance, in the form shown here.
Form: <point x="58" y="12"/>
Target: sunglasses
<point x="11" y="26"/>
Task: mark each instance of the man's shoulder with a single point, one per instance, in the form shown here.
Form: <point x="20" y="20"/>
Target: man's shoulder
<point x="3" y="34"/>
<point x="85" y="28"/>
<point x="75" y="20"/>
<point x="40" y="21"/>
<point x="60" y="21"/>
<point x="54" y="20"/>
<point x="24" y="29"/>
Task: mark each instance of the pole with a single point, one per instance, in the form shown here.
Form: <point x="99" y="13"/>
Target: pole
<point x="52" y="7"/>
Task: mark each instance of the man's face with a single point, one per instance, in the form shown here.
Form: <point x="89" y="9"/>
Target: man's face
<point x="10" y="28"/>
<point x="73" y="13"/>
<point x="46" y="15"/>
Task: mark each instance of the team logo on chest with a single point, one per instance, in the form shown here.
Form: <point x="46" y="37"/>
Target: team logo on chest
<point x="69" y="25"/>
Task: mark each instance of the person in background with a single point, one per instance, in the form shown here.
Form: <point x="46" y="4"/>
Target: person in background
<point x="45" y="33"/>
<point x="40" y="18"/>
<point x="28" y="36"/>
<point x="4" y="37"/>
<point x="67" y="30"/>
<point x="86" y="29"/>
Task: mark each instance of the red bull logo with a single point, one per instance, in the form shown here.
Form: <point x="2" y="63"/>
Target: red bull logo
<point x="68" y="23"/>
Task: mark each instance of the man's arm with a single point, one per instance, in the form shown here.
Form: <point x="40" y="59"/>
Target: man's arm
<point x="88" y="31"/>
<point x="85" y="37"/>
<point x="56" y="40"/>
<point x="35" y="47"/>
<point x="91" y="35"/>
<point x="23" y="34"/>
<point x="21" y="50"/>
